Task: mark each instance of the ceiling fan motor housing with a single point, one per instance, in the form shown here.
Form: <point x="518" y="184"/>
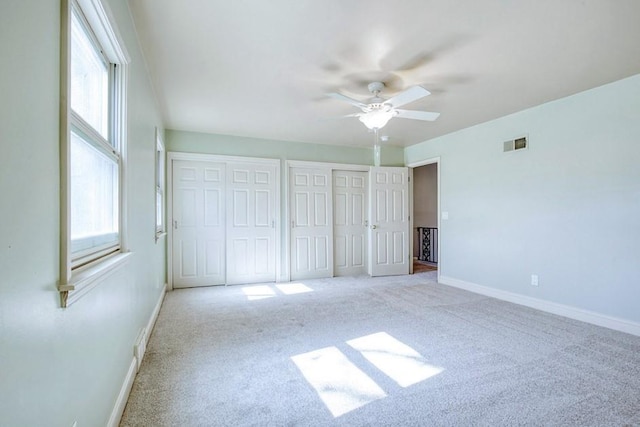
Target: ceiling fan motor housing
<point x="375" y="87"/>
<point x="377" y="106"/>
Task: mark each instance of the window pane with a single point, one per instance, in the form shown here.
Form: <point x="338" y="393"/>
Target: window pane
<point x="89" y="80"/>
<point x="158" y="210"/>
<point x="159" y="186"/>
<point x="94" y="196"/>
<point x="160" y="168"/>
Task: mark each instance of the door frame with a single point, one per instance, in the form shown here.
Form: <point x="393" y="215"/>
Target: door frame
<point x="411" y="166"/>
<point x="199" y="157"/>
<point x="330" y="167"/>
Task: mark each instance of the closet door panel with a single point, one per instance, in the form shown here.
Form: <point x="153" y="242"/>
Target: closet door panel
<point x="198" y="243"/>
<point x="251" y="228"/>
<point x="349" y="222"/>
<point x="311" y="210"/>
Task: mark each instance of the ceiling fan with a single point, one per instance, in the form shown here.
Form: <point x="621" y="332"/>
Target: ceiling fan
<point x="377" y="113"/>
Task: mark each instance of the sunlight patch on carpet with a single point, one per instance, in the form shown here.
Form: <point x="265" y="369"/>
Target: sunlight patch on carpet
<point x="293" y="288"/>
<point x="397" y="360"/>
<point x="258" y="292"/>
<point x="341" y="385"/>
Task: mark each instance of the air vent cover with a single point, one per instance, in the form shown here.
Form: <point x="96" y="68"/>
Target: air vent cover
<point x="516" y="144"/>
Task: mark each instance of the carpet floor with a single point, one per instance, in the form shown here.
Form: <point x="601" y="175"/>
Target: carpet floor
<point x="389" y="351"/>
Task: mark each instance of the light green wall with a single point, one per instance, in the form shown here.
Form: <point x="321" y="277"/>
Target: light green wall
<point x="194" y="142"/>
<point x="64" y="365"/>
<point x="567" y="209"/>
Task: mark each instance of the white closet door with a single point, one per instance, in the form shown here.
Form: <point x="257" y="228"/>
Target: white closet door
<point x="251" y="223"/>
<point x="350" y="222"/>
<point x="389" y="229"/>
<point x="199" y="224"/>
<point x="311" y="218"/>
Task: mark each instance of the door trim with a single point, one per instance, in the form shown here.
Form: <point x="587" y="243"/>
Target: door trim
<point x="178" y="155"/>
<point x="425" y="162"/>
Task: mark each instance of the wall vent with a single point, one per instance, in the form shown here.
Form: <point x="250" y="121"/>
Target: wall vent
<point x="516" y="144"/>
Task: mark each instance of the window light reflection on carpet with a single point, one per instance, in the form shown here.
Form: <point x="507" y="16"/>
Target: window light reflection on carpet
<point x="258" y="292"/>
<point x="343" y="387"/>
<point x="397" y="360"/>
<point x="293" y="288"/>
<point x="340" y="384"/>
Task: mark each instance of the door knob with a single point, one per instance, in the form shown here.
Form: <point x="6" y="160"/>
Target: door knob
<point x="373" y="227"/>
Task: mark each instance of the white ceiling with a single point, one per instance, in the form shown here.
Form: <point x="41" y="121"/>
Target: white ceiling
<point x="261" y="68"/>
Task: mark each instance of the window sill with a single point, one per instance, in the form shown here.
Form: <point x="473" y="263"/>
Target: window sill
<point x="88" y="278"/>
<point x="160" y="235"/>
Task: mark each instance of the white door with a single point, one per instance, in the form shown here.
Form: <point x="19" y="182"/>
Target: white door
<point x="251" y="223"/>
<point x="349" y="222"/>
<point x="198" y="224"/>
<point x="389" y="224"/>
<point x="311" y="218"/>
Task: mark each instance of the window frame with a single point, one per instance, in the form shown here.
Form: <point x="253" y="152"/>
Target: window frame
<point x="160" y="178"/>
<point x="78" y="275"/>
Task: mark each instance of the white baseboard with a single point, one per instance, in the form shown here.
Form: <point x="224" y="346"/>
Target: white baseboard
<point x="156" y="311"/>
<point x="123" y="396"/>
<point x="587" y="316"/>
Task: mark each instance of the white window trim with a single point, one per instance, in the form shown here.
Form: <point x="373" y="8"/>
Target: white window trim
<point x="74" y="284"/>
<point x="161" y="184"/>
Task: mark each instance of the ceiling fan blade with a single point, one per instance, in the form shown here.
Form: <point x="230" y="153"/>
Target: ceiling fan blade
<point x="333" y="118"/>
<point x="351" y="101"/>
<point x="417" y="115"/>
<point x="409" y="95"/>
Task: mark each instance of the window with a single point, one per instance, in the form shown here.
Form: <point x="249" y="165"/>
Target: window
<point x="160" y="186"/>
<point x="95" y="157"/>
<point x="92" y="146"/>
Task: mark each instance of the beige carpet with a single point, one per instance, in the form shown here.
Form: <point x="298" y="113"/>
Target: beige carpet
<point x="390" y="351"/>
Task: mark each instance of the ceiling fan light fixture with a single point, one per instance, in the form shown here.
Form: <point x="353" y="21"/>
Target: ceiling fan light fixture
<point x="377" y="116"/>
<point x="377" y="113"/>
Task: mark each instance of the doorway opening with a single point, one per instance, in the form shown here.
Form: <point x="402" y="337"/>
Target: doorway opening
<point x="425" y="232"/>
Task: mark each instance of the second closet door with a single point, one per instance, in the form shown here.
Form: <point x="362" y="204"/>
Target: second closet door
<point x="350" y="222"/>
<point x="251" y="223"/>
<point x="311" y="223"/>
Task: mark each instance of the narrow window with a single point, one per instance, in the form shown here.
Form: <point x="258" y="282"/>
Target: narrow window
<point x="95" y="158"/>
<point x="160" y="186"/>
